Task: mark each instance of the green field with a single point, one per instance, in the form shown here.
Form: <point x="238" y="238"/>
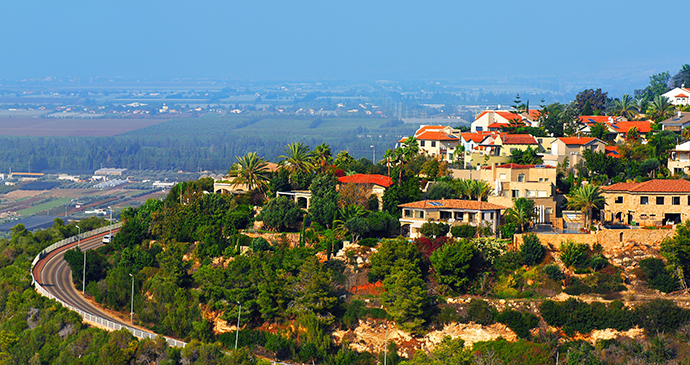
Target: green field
<point x="42" y="207"/>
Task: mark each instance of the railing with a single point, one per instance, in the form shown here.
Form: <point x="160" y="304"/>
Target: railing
<point x="88" y="317"/>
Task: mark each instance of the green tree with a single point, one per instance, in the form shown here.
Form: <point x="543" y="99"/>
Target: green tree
<point x="434" y="230"/>
<point x="528" y="156"/>
<point x="324" y="200"/>
<point x="681" y="78"/>
<point x="281" y="214"/>
<point x="449" y="351"/>
<point x="676" y="251"/>
<point x="453" y="265"/>
<point x="600" y="163"/>
<point x="660" y="109"/>
<point x="405" y="298"/>
<point x="297" y="159"/>
<point x="322" y="156"/>
<point x="531" y="250"/>
<point x="392" y="255"/>
<point x="357" y="226"/>
<point x="586" y="198"/>
<point x="625" y="107"/>
<point x="521" y="213"/>
<point x="599" y="130"/>
<point x="596" y="99"/>
<point x="252" y="171"/>
<point x="658" y="84"/>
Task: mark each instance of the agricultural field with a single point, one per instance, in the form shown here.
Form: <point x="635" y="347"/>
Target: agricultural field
<point x="52" y="127"/>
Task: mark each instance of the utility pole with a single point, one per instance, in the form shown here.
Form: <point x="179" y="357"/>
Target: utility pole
<point x="385" y="345"/>
<point x="83" y="280"/>
<point x="111" y="223"/>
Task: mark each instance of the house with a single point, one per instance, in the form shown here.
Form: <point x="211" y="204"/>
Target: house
<point x="679" y="159"/>
<point x="507" y="143"/>
<point x="679" y="96"/>
<point x="451" y="211"/>
<point x="571" y="148"/>
<point x="534" y="182"/>
<point x="676" y="123"/>
<point x="650" y="203"/>
<point x="496" y="118"/>
<point x="618" y="126"/>
<point x="373" y="183"/>
<point x="436" y="140"/>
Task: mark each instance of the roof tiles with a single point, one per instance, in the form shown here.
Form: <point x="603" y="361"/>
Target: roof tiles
<point x="652" y="186"/>
<point x="452" y="204"/>
<point x="375" y="179"/>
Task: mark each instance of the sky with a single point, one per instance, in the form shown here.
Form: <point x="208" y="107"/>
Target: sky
<point x="340" y="40"/>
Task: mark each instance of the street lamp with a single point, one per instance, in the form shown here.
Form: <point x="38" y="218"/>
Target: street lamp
<point x="374" y="154"/>
<point x="131" y="309"/>
<point x="237" y="334"/>
<point x="79" y="236"/>
<point x="83" y="280"/>
<point x="385" y="345"/>
<point x="111" y="222"/>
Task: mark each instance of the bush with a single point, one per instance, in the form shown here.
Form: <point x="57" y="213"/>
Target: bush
<point x="481" y="312"/>
<point x="260" y="244"/>
<point x="574" y="254"/>
<point x="463" y="231"/>
<point x="531" y="250"/>
<point x="508" y="262"/>
<point x="657" y="276"/>
<point x="576" y="316"/>
<point x="554" y="272"/>
<point x="456" y="264"/>
<point x="430" y="229"/>
<point x="598" y="262"/>
<point x="508" y="230"/>
<point x="518" y="322"/>
<point x="369" y="242"/>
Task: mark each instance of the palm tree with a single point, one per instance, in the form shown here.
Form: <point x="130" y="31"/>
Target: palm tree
<point x="585" y="198"/>
<point x="297" y="159"/>
<point x="625" y="107"/>
<point x="391" y="158"/>
<point x="252" y="171"/>
<point x="322" y="156"/>
<point x="660" y="109"/>
<point x="641" y="104"/>
<point x="405" y="153"/>
<point x="521" y="213"/>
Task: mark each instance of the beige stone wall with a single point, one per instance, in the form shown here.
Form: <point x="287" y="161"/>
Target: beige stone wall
<point x="611" y="239"/>
<point x="645" y="214"/>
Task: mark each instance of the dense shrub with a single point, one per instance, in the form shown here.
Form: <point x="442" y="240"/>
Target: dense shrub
<point x="431" y="229"/>
<point x="463" y="231"/>
<point x="531" y="250"/>
<point x="260" y="244"/>
<point x="520" y="323"/>
<point x="369" y="242"/>
<point x="455" y="264"/>
<point x="507" y="230"/>
<point x="598" y="283"/>
<point x="598" y="262"/>
<point x="509" y="261"/>
<point x="661" y="315"/>
<point x="574" y="254"/>
<point x="657" y="276"/>
<point x="481" y="312"/>
<point x="520" y="352"/>
<point x="554" y="272"/>
<point x="576" y="316"/>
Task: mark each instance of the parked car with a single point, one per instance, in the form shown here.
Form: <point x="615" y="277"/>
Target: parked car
<point x="107" y="238"/>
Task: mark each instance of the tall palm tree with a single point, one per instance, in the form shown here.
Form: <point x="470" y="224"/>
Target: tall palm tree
<point x="521" y="213"/>
<point x="405" y="153"/>
<point x="297" y="159"/>
<point x="252" y="171"/>
<point x="660" y="109"/>
<point x="625" y="107"/>
<point x="641" y="104"/>
<point x="322" y="156"/>
<point x="585" y="198"/>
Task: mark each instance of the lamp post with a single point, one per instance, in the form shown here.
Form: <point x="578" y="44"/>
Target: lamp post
<point x="131" y="309"/>
<point x="111" y="222"/>
<point x="83" y="280"/>
<point x="237" y="334"/>
<point x="79" y="236"/>
<point x="374" y="154"/>
<point x="385" y="344"/>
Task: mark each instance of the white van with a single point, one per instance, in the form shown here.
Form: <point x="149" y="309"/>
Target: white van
<point x="107" y="238"/>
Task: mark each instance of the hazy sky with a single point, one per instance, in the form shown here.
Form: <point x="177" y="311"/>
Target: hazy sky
<point x="292" y="40"/>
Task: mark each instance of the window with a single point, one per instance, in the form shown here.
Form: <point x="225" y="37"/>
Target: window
<point x="408" y="213"/>
<point x="675" y="200"/>
<point x="644" y="200"/>
<point x="421" y="143"/>
<point x="479" y="129"/>
<point x="433" y="143"/>
<point x="470" y="217"/>
<point x="542" y="194"/>
<point x="528" y="193"/>
<point x="619" y="200"/>
<point x="446" y="214"/>
<point x="419" y="214"/>
<point x="503" y="176"/>
<point x="548" y="210"/>
<point x="516" y="193"/>
<point x="546" y="179"/>
<point x="521" y="178"/>
<point x="459" y="216"/>
<point x="659" y="200"/>
<point x="541" y="179"/>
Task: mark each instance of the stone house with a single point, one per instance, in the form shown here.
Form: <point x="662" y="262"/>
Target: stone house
<point x="650" y="203"/>
<point x="372" y="184"/>
<point x="534" y="182"/>
<point x="450" y="211"/>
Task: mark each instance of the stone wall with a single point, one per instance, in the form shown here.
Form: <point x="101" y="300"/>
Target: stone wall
<point x="610" y="239"/>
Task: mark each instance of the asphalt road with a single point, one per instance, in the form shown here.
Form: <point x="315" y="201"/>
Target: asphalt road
<point x="55" y="275"/>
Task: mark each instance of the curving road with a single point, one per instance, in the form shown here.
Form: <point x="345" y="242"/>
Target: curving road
<point x="55" y="275"/>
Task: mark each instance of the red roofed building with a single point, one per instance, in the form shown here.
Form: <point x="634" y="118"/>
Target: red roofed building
<point x="451" y="211"/>
<point x="437" y="140"/>
<point x="650" y="203"/>
<point x="368" y="184"/>
<point x="489" y="117"/>
<point x="507" y="143"/>
<point x="571" y="148"/>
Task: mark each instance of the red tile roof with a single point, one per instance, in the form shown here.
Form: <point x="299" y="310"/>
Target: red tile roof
<point x="437" y="136"/>
<point x="453" y="204"/>
<point x="643" y="126"/>
<point x="375" y="179"/>
<point x="652" y="186"/>
<point x="533" y="113"/>
<point x="518" y="139"/>
<point x="681" y="96"/>
<point x="612" y="151"/>
<point x="579" y="141"/>
<point x="592" y="119"/>
<point x="476" y="137"/>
